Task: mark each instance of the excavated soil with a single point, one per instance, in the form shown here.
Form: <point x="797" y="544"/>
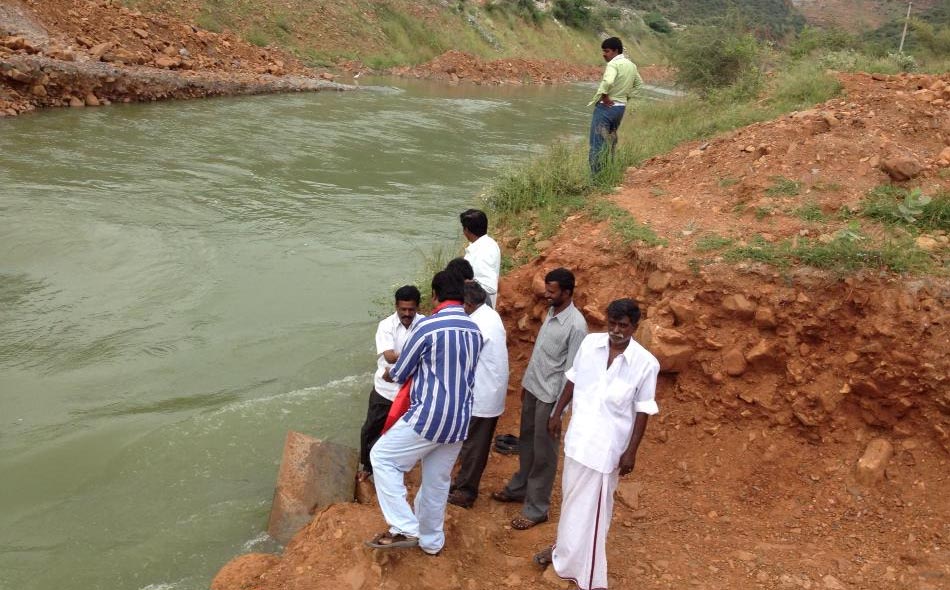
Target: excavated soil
<point x="774" y="385"/>
<point x="94" y="52"/>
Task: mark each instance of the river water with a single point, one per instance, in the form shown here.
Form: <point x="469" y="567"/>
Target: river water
<point x="181" y="283"/>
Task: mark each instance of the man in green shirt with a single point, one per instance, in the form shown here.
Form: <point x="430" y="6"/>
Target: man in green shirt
<point x="618" y="86"/>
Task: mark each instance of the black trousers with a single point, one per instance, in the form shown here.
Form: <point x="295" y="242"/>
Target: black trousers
<point x="376" y="413"/>
<point x="474" y="455"/>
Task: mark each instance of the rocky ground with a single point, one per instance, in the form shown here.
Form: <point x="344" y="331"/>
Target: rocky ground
<point x="804" y="433"/>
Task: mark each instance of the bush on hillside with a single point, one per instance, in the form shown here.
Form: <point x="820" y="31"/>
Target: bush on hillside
<point x="658" y="23"/>
<point x="711" y="59"/>
<point x="811" y="39"/>
<point x="573" y="13"/>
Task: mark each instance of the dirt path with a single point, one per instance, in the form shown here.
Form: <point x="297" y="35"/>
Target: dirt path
<point x="774" y="385"/>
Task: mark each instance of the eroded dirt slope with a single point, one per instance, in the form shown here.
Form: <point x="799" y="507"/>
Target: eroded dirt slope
<point x="774" y="385"/>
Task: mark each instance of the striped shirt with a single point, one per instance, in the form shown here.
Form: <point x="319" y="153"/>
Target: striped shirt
<point x="440" y="356"/>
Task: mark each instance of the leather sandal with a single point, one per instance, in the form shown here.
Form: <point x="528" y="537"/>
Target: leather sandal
<point x="388" y="540"/>
<point x="504" y="496"/>
<point x="523" y="523"/>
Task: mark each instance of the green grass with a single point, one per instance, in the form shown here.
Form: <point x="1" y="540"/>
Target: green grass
<point x="782" y="186"/>
<point x="727" y="182"/>
<point x="623" y="225"/>
<point x="810" y="211"/>
<point x="711" y="242"/>
<point x="898" y="206"/>
<point x="848" y="251"/>
<point x="762" y="212"/>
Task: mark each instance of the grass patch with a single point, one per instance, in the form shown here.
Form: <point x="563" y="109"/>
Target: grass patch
<point x="727" y="182"/>
<point x="810" y="211"/>
<point x="894" y="205"/>
<point x="782" y="186"/>
<point x="711" y="242"/>
<point x="623" y="225"/>
<point x="762" y="212"/>
<point x="847" y="251"/>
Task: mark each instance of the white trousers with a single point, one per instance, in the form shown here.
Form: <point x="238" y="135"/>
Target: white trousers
<point x="587" y="504"/>
<point x="394" y="454"/>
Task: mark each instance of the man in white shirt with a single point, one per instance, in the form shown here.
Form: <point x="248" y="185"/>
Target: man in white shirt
<point x="391" y="334"/>
<point x="482" y="252"/>
<point x="612" y="385"/>
<point x="491" y="387"/>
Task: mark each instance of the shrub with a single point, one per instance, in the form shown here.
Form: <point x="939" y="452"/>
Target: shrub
<point x="573" y="13"/>
<point x="711" y="58"/>
<point x="658" y="23"/>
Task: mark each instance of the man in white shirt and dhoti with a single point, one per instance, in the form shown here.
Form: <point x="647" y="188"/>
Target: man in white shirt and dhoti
<point x="611" y="388"/>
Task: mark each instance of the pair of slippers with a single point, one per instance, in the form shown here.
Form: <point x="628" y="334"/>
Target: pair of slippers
<point x="506" y="444"/>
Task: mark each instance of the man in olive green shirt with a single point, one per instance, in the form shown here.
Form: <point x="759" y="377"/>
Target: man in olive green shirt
<point x="618" y="86"/>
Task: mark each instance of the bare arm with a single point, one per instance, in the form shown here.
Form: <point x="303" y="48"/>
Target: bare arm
<point x="391" y="356"/>
<point x="628" y="459"/>
<point x="554" y="422"/>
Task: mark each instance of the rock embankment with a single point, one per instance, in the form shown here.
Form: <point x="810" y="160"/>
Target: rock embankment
<point x="95" y="52"/>
<point x="804" y="434"/>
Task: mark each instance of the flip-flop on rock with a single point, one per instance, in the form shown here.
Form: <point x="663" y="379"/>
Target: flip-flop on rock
<point x="388" y="540"/>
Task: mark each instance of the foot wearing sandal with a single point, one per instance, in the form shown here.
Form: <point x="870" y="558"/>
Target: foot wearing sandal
<point x="522" y="523"/>
<point x="544" y="557"/>
<point x="504" y="496"/>
<point x="389" y="540"/>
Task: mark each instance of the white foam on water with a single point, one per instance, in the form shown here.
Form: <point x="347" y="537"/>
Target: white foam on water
<point x="337" y="386"/>
<point x="257" y="541"/>
<point x="163" y="586"/>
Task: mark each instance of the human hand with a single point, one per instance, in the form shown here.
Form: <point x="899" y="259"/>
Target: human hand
<point x="387" y="377"/>
<point x="628" y="461"/>
<point x="554" y="426"/>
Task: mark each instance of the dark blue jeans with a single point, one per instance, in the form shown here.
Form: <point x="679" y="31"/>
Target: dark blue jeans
<point x="603" y="133"/>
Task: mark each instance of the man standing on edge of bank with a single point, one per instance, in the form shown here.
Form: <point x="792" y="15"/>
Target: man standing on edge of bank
<point x="558" y="339"/>
<point x="618" y="87"/>
<point x="482" y="252"/>
<point x="391" y="334"/>
<point x="440" y="356"/>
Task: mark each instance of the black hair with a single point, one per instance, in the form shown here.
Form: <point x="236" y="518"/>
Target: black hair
<point x="462" y="268"/>
<point x="475" y="294"/>
<point x="563" y="277"/>
<point x="475" y="221"/>
<point x="624" y="308"/>
<point x="408" y="293"/>
<point x="612" y="43"/>
<point x="447" y="285"/>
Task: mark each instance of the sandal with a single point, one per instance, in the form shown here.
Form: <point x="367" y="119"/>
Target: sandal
<point x="521" y="523"/>
<point x="504" y="496"/>
<point x="544" y="557"/>
<point x="388" y="540"/>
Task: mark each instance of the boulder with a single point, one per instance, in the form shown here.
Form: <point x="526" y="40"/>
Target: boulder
<point x="764" y="352"/>
<point x="313" y="474"/>
<point x="670" y="347"/>
<point x="628" y="493"/>
<point x="658" y="281"/>
<point x="739" y="306"/>
<point x="901" y="168"/>
<point x="926" y="243"/>
<point x="765" y="318"/>
<point x="733" y="362"/>
<point x="683" y="312"/>
<point x="870" y="467"/>
<point x="92" y="100"/>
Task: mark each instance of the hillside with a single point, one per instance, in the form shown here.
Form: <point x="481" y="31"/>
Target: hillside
<point x="776" y="379"/>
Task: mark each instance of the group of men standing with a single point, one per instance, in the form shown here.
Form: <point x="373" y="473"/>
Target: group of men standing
<point x="453" y="370"/>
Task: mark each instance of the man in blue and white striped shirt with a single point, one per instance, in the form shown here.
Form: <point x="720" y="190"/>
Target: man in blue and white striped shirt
<point x="440" y="358"/>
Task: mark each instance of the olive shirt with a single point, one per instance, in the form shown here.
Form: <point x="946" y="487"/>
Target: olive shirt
<point x="621" y="81"/>
<point x="554" y="350"/>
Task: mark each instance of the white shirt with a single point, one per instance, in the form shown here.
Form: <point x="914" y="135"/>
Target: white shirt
<point x="606" y="401"/>
<point x="491" y="372"/>
<point x="390" y="335"/>
<point x="485" y="257"/>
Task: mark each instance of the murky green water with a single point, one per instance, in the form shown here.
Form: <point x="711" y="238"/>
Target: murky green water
<point x="182" y="283"/>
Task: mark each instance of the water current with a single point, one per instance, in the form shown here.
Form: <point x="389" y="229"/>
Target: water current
<point x="183" y="282"/>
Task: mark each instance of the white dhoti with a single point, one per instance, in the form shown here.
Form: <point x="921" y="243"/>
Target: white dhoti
<point x="587" y="504"/>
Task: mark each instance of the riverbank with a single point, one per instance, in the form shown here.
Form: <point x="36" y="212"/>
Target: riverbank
<point x="778" y="375"/>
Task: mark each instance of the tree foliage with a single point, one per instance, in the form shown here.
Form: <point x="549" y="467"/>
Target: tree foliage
<point x="573" y="13"/>
<point x="710" y="59"/>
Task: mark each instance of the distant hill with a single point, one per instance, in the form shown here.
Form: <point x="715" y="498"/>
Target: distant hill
<point x="771" y="18"/>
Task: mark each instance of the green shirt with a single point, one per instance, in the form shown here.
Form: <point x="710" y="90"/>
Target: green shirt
<point x="621" y="81"/>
